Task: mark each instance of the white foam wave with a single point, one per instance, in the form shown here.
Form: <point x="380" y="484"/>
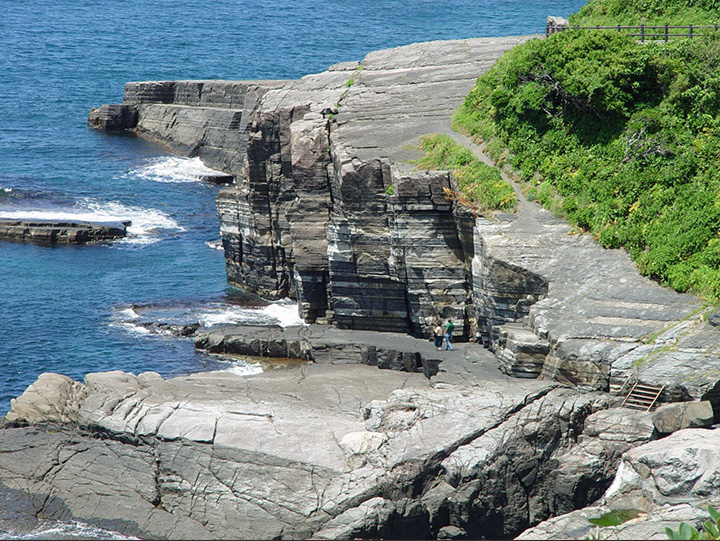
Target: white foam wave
<point x="127" y="313"/>
<point x="215" y="244"/>
<point x="173" y="169"/>
<point x="283" y="313"/>
<point x="242" y="368"/>
<point x="146" y="227"/>
<point x="147" y="224"/>
<point x="132" y="328"/>
<point x="69" y="530"/>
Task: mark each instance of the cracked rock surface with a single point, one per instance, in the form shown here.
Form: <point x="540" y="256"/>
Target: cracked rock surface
<point x="312" y="450"/>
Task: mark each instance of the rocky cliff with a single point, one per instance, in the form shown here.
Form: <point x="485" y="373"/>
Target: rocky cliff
<point x="327" y="207"/>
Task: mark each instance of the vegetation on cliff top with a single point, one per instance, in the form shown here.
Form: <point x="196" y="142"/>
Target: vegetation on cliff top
<point x="649" y="12"/>
<point x="480" y="184"/>
<point x="621" y="138"/>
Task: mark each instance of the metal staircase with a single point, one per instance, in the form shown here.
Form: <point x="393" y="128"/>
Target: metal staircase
<point x="642" y="397"/>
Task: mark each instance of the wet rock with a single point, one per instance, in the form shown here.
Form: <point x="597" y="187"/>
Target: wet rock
<point x="60" y="232"/>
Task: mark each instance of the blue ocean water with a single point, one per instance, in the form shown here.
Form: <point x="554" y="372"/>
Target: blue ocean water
<point x="71" y="309"/>
<point x="59" y="306"/>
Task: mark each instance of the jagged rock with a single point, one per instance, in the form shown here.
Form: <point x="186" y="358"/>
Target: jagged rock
<point x="60" y="232"/>
<point x="451" y="532"/>
<point x="115" y="117"/>
<point x="368" y="519"/>
<point x="668" y="480"/>
<point x="520" y="352"/>
<point x="311" y="467"/>
<point x="673" y="417"/>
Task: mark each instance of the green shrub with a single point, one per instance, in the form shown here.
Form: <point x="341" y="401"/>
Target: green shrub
<point x="710" y="529"/>
<point x="621" y="138"/>
<point x="480" y="183"/>
<point x="653" y="12"/>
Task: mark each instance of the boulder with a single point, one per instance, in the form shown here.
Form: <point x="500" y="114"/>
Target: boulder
<point x="114" y="117"/>
<point x="673" y="417"/>
<point x="53" y="397"/>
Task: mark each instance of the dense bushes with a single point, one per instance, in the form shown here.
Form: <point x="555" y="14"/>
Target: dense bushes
<point x="479" y="183"/>
<point x="620" y="137"/>
<point x="653" y="12"/>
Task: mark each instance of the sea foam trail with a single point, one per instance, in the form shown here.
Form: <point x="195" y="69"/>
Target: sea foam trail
<point x="148" y="225"/>
<point x="65" y="530"/>
<point x="173" y="169"/>
<point x="283" y="313"/>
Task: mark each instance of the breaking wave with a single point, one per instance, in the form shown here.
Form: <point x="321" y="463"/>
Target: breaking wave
<point x="147" y="225"/>
<point x="173" y="169"/>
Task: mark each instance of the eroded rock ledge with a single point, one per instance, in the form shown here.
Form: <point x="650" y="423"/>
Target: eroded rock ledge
<point x="60" y="232"/>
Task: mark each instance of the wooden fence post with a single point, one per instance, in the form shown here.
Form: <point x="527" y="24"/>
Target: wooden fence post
<point x="666" y="32"/>
<point x="690" y="32"/>
<point x="642" y="33"/>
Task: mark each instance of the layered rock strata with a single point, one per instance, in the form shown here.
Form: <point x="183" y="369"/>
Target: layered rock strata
<point x="60" y="232"/>
<point x="327" y="209"/>
<point x="209" y="119"/>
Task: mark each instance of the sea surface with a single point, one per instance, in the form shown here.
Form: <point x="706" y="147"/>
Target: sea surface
<point x="80" y="309"/>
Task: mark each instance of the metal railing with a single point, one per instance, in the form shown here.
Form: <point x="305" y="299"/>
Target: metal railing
<point x="644" y="32"/>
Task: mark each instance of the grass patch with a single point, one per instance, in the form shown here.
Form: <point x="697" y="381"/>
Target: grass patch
<point x="620" y="138"/>
<point x="476" y="181"/>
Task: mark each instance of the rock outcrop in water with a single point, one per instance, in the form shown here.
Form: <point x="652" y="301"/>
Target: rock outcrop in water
<point x="60" y="231"/>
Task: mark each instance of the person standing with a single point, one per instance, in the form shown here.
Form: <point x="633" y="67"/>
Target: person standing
<point x="438" y="335"/>
<point x="448" y="335"/>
